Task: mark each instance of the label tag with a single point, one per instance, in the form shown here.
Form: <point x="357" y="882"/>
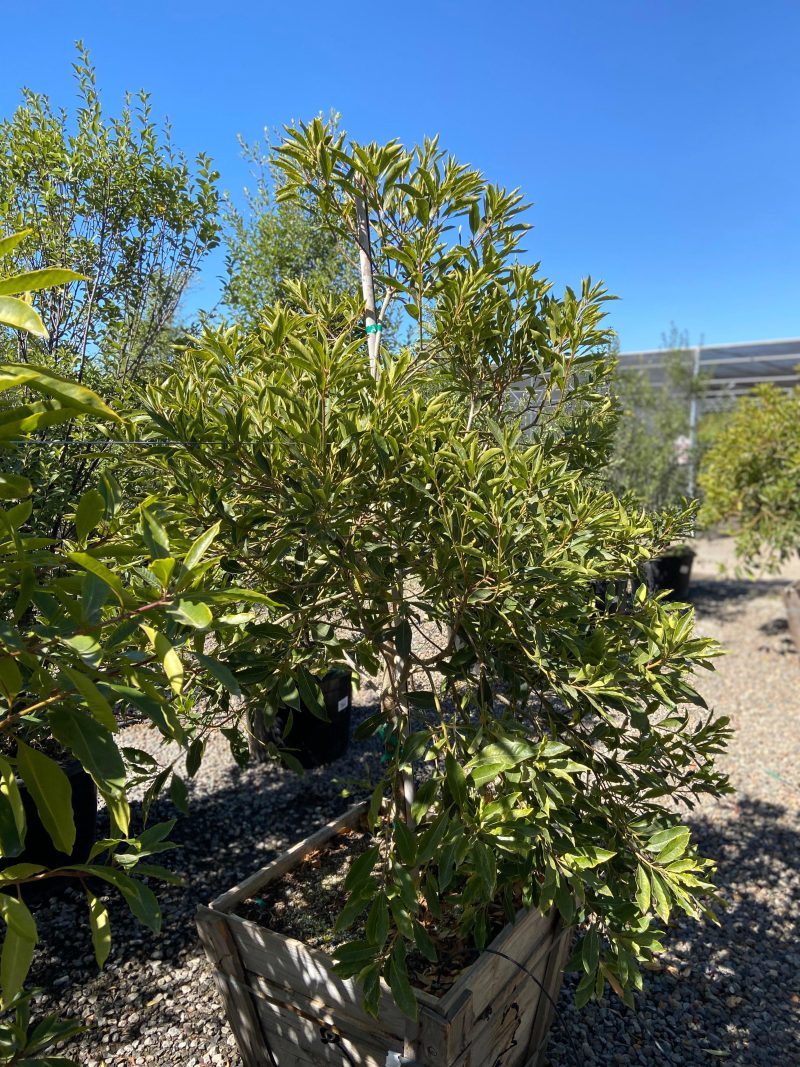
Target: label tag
<point x="343" y="703"/>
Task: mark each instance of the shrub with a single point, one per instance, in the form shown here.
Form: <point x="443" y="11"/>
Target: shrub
<point x="751" y="475"/>
<point x="434" y="514"/>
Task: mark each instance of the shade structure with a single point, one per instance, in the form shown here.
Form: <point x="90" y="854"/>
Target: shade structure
<point x="728" y="370"/>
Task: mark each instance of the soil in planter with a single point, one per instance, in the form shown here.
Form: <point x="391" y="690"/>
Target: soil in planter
<point x="306" y="901"/>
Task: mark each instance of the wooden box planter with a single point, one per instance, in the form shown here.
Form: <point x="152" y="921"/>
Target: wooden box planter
<point x="287" y="1007"/>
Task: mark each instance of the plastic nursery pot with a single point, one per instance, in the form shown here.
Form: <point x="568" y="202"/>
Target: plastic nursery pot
<point x="671" y="573"/>
<point x="39" y="847"/>
<point x="310" y="739"/>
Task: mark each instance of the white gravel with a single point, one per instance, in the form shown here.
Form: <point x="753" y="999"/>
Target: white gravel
<point x="729" y="995"/>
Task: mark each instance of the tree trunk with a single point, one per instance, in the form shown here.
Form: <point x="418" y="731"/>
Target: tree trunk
<point x="791" y="600"/>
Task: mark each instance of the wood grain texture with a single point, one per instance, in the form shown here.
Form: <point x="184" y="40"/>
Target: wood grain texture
<point x="279" y="990"/>
<point x="229" y="972"/>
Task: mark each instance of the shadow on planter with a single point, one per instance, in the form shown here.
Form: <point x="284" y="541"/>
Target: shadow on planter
<point x="285" y="1003"/>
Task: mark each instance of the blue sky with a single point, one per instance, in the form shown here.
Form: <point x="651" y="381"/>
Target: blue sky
<point x="659" y="140"/>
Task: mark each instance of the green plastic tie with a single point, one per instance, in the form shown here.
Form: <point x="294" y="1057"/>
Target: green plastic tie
<point x="374" y="327"/>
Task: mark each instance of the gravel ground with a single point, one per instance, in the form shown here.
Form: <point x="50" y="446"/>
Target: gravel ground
<point x="729" y="995"/>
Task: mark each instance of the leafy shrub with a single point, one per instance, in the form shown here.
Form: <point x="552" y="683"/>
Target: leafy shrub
<point x="112" y="197"/>
<point x="751" y="475"/>
<point x="651" y="456"/>
<point x="111" y="622"/>
<point x="434" y="514"/>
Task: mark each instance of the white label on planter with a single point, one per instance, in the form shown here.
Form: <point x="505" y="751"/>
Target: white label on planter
<point x="342" y="703"/>
<point x="684" y="568"/>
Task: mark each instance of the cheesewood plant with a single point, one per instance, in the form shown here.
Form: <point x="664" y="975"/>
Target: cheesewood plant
<point x="434" y="513"/>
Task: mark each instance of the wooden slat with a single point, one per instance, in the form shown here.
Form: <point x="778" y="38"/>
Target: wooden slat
<point x="511" y="1012"/>
<point x="438" y="1040"/>
<point x="292" y="965"/>
<point x="546" y="1011"/>
<point x="304" y="1035"/>
<point x="229" y="972"/>
<point x="518" y="940"/>
<point x="229" y="900"/>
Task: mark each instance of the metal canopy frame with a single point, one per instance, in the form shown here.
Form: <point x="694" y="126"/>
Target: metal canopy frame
<point x="728" y="370"/>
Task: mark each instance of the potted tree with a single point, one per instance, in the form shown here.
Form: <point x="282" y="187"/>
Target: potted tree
<point x="652" y="456"/>
<point x="751" y="483"/>
<point x="430" y="511"/>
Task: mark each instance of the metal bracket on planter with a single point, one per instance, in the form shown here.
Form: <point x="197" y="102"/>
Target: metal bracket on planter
<point x="397" y="1059"/>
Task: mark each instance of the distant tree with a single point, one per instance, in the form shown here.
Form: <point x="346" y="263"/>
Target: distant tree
<point x="112" y="197"/>
<point x="651" y="450"/>
<point x="751" y="476"/>
<point x="115" y="200"/>
<point x="271" y="245"/>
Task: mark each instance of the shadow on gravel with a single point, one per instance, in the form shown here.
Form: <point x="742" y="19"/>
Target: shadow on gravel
<point x="726" y="598"/>
<point x="727" y="994"/>
<point x="723" y="995"/>
<point x="237" y="823"/>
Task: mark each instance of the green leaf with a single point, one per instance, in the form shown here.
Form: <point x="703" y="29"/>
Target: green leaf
<point x="456" y="780"/>
<point x="200" y="546"/>
<point x="34" y="280"/>
<point x="141" y="900"/>
<point x="642" y="889"/>
<point x="361" y="868"/>
<point x="20" y="872"/>
<point x="672" y="837"/>
<point x="590" y="951"/>
<point x="377" y="929"/>
<point x="424" y="942"/>
<point x="12" y="812"/>
<point x="101" y="571"/>
<point x="94" y="746"/>
<point x="68" y="393"/>
<point x="101" y="929"/>
<point x="9" y="243"/>
<point x="399" y="983"/>
<point x="18" y="946"/>
<point x="87" y="647"/>
<point x="179" y="794"/>
<point x="51" y="791"/>
<point x="91" y="509"/>
<point x="191" y="613"/>
<point x="310" y="693"/>
<point x="170" y="661"/>
<point x="10" y="679"/>
<point x="14" y="487"/>
<point x="660" y="897"/>
<point x="21" y="316"/>
<point x="155" y="536"/>
<point x="94" y="699"/>
<point x="221" y="672"/>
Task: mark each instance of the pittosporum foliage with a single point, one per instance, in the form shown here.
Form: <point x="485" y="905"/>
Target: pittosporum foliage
<point x="270" y="244"/>
<point x="435" y="515"/>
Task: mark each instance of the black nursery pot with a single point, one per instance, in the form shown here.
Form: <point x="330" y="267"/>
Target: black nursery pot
<point x="310" y="739"/>
<point x="39" y="847"/>
<point x="671" y="574"/>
